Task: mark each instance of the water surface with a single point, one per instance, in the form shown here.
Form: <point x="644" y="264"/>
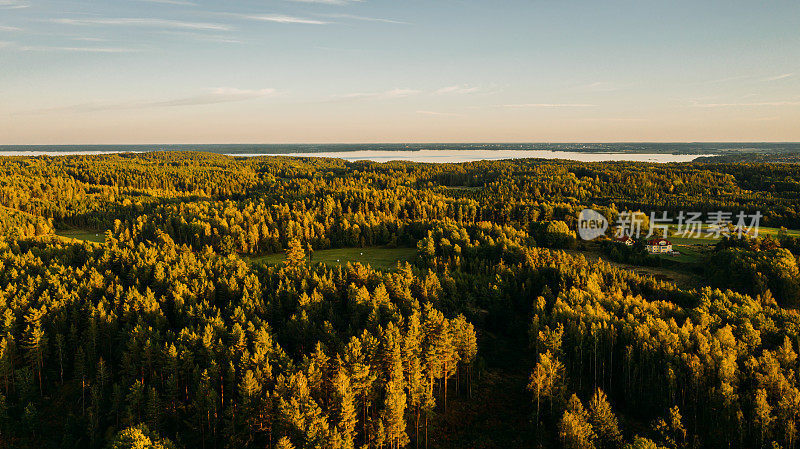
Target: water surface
<point x="423" y="155"/>
<point x="439" y="152"/>
<point x="456" y="156"/>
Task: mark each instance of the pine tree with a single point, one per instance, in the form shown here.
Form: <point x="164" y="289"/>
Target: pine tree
<point x="441" y="355"/>
<point x="344" y="405"/>
<point x="361" y="378"/>
<point x="284" y="443"/>
<point x="249" y="389"/>
<point x="467" y="346"/>
<point x="762" y="415"/>
<point x="35" y="343"/>
<point x="574" y="429"/>
<point x="139" y="437"/>
<point x="547" y="381"/>
<point x="604" y="422"/>
<point x="295" y="255"/>
<point x="395" y="398"/>
<point x="205" y="402"/>
<point x="642" y="443"/>
<point x="671" y="429"/>
<point x="300" y="412"/>
<point x="153" y="410"/>
<point x="135" y="399"/>
<point x="415" y="377"/>
<point x="6" y="361"/>
<point x="317" y="371"/>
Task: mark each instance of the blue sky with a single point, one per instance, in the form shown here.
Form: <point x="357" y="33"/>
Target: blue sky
<point x="274" y="71"/>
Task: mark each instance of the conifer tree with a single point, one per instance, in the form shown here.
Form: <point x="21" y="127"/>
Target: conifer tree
<point x="284" y="443"/>
<point x="35" y="343"/>
<point x="295" y="255"/>
<point x="574" y="429"/>
<point x="415" y="377"/>
<point x="604" y="422"/>
<point x="395" y="397"/>
<point x="344" y="405"/>
<point x="6" y="361"/>
<point x="547" y="381"/>
<point x="762" y="415"/>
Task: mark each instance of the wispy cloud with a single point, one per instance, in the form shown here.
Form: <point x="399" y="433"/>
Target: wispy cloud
<point x="548" y="105"/>
<point x="597" y="86"/>
<point x="4" y="44"/>
<point x="727" y="79"/>
<point x="146" y="22"/>
<point x="202" y="37"/>
<point x="214" y="96"/>
<point x="440" y="114"/>
<point x="9" y="28"/>
<point x="460" y="89"/>
<point x="779" y="77"/>
<point x="752" y="104"/>
<point x="218" y="95"/>
<point x="385" y="95"/>
<point x="280" y="18"/>
<point x="79" y="49"/>
<point x="365" y="18"/>
<point x="89" y="39"/>
<point x="13" y="4"/>
<point x="750" y="78"/>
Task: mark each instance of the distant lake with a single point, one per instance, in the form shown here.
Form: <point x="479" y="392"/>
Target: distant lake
<point x="456" y="156"/>
<point x="440" y="152"/>
<point x="421" y="155"/>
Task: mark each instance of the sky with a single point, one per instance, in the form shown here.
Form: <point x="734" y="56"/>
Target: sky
<point x="361" y="71"/>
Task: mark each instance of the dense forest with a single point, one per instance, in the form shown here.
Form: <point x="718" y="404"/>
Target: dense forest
<point x="169" y="331"/>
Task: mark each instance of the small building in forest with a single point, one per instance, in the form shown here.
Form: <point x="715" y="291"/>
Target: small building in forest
<point x="658" y="246"/>
<point x="626" y="240"/>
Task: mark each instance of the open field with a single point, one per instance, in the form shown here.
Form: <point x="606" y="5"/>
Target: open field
<point x="376" y="257"/>
<point x="82" y="235"/>
<point x="694" y="241"/>
<point x="773" y="232"/>
<point x="689" y="253"/>
<point x="705" y="239"/>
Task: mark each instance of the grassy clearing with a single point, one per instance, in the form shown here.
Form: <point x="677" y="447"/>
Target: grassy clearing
<point x="692" y="252"/>
<point x="377" y="257"/>
<point x="689" y="254"/>
<point x="693" y="241"/>
<point x="82" y="235"/>
<point x="693" y="249"/>
<point x="703" y="239"/>
<point x="764" y="231"/>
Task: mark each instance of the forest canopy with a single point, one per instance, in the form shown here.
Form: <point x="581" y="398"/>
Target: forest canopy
<point x="161" y="327"/>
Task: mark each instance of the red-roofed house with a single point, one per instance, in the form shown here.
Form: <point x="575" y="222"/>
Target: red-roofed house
<point x="658" y="246"/>
<point x="627" y="240"/>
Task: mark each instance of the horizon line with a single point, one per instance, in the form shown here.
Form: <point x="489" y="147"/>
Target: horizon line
<point x="417" y="143"/>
